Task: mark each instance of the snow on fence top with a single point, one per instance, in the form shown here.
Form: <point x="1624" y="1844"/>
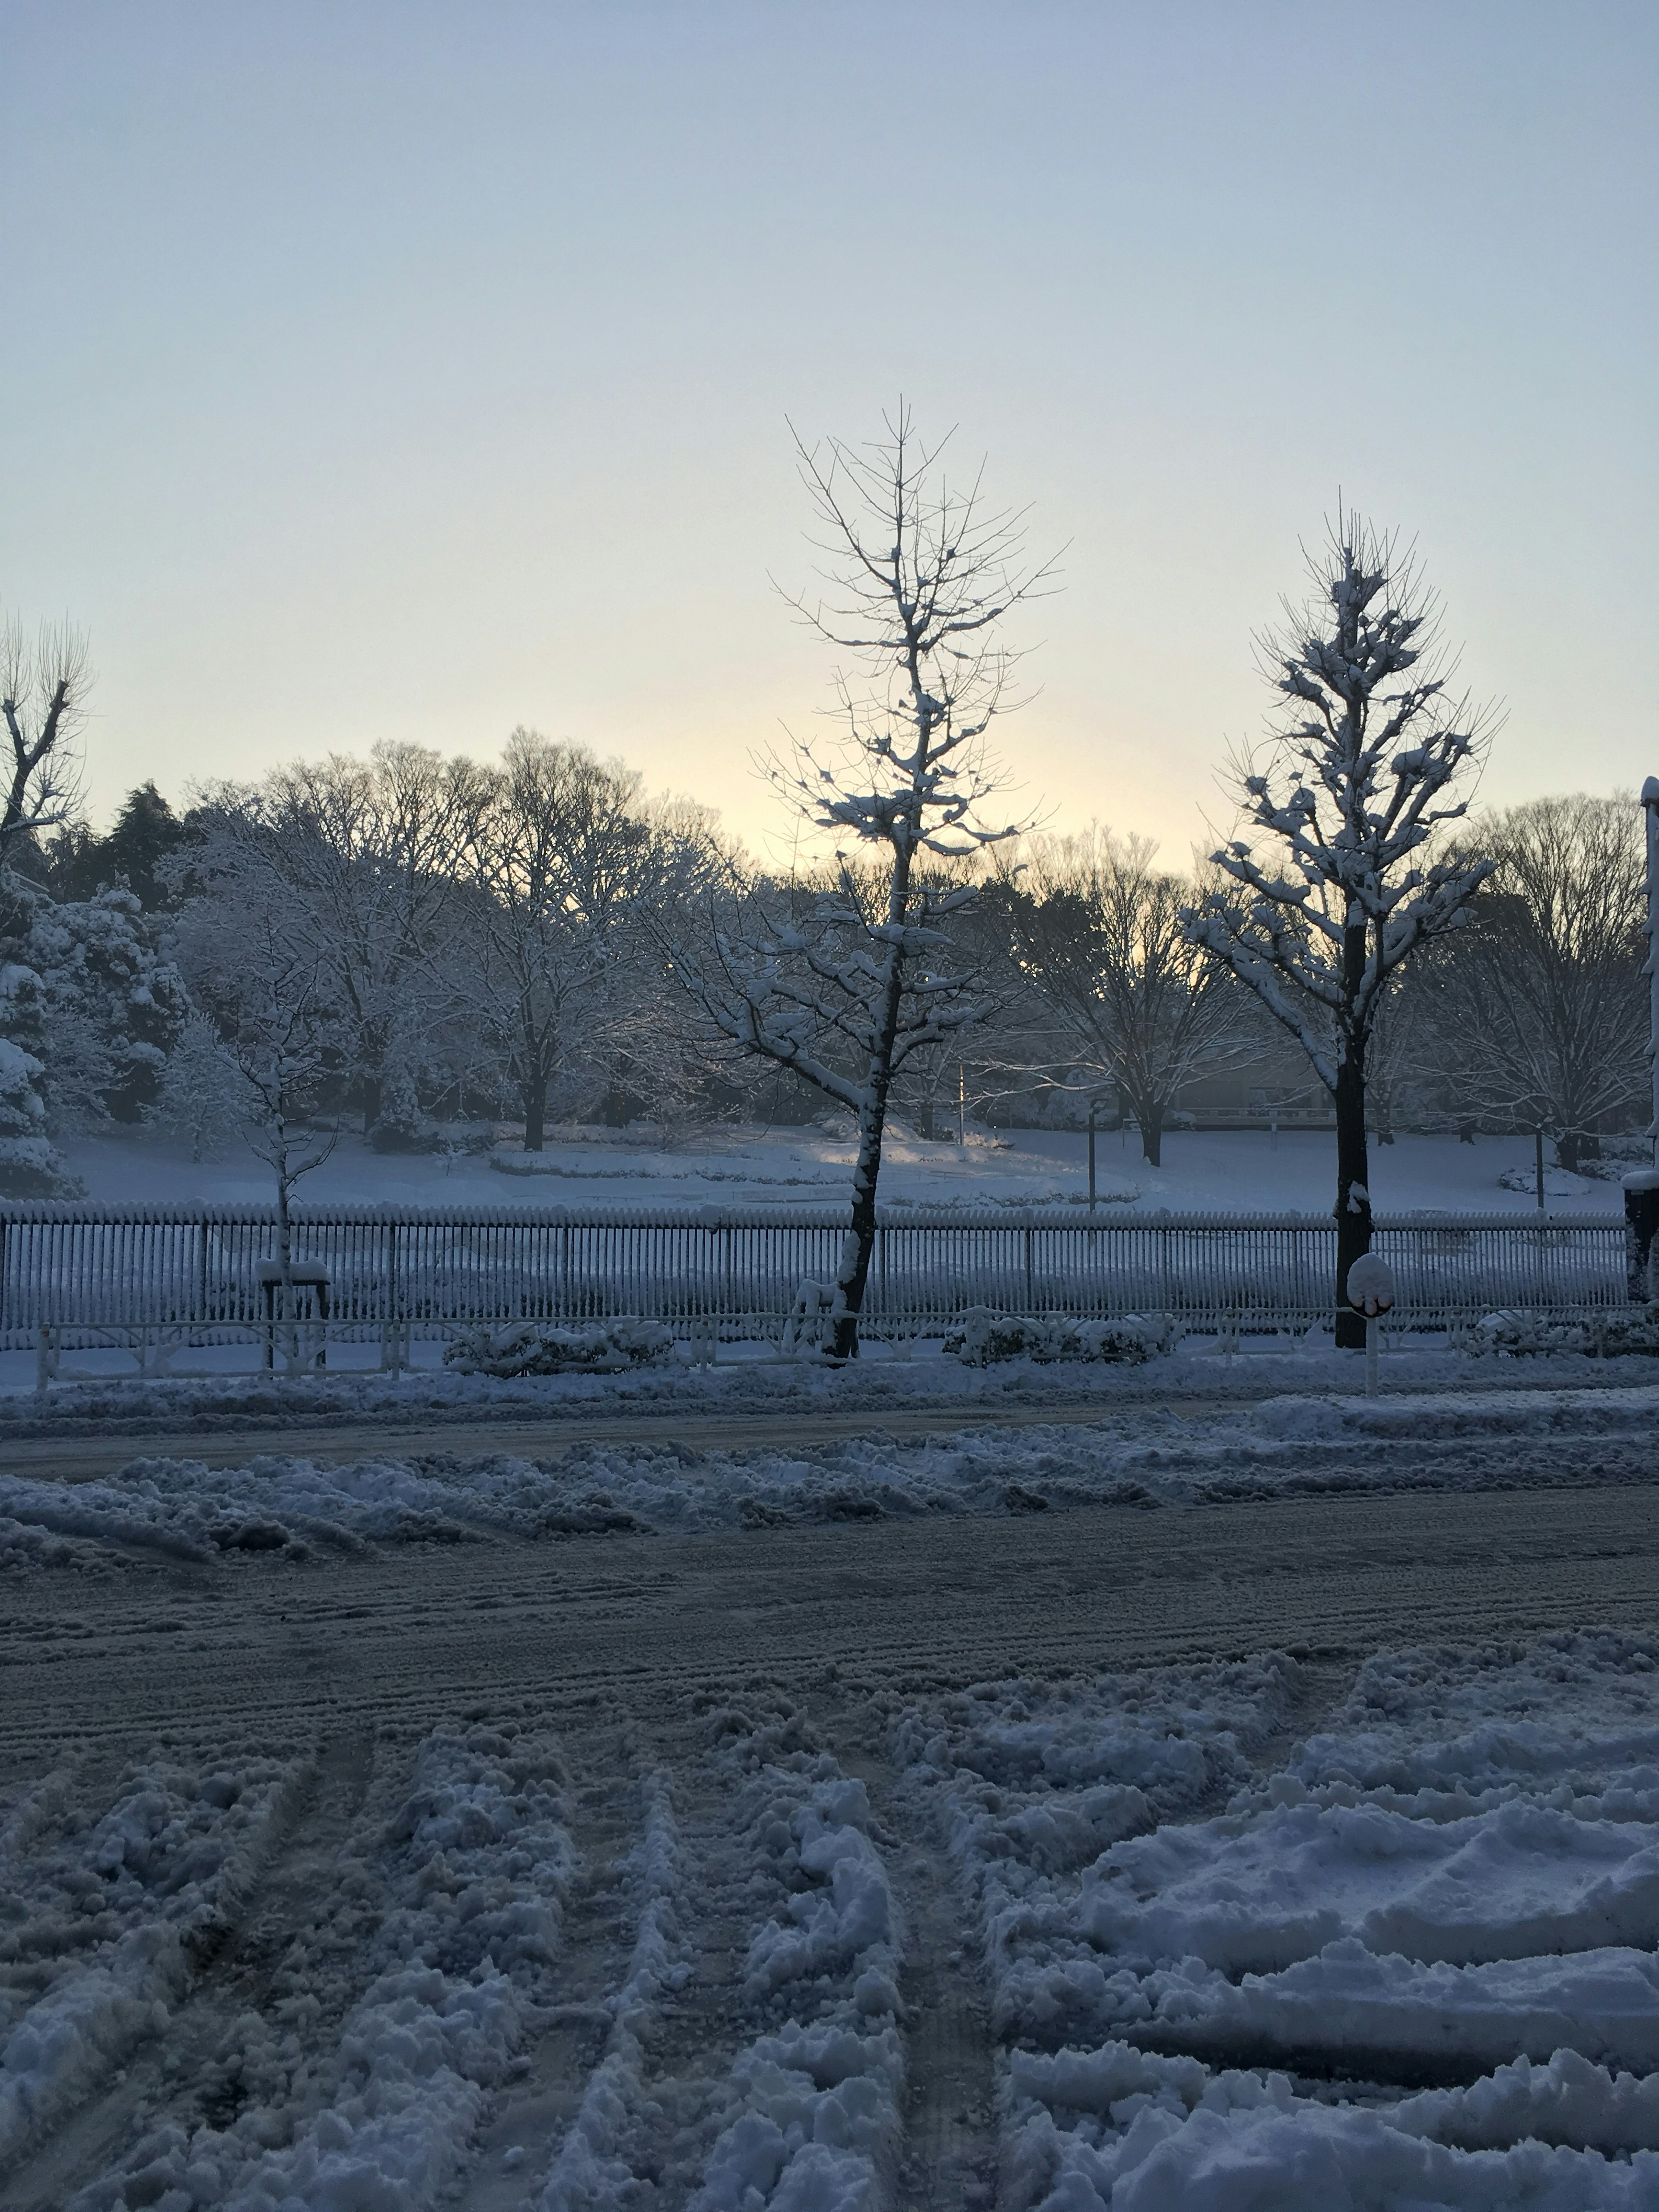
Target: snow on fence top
<point x="199" y="1267"/>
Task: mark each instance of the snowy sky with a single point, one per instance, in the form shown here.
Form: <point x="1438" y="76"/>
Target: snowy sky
<point x="410" y="371"/>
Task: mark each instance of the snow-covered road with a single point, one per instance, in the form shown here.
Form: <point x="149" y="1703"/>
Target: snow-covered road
<point x="1227" y="1855"/>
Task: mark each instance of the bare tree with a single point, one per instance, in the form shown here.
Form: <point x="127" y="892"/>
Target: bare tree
<point x="43" y="691"/>
<point x="557" y="853"/>
<point x="1538" y="1014"/>
<point x="845" y="988"/>
<point x="1095" y="928"/>
<point x="1356" y="781"/>
<point x="280" y="1033"/>
<point x="358" y="858"/>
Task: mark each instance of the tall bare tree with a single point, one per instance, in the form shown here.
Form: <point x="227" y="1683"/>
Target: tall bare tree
<point x="845" y="988"/>
<point x="1538" y="1013"/>
<point x="558" y="852"/>
<point x="1358" y="777"/>
<point x="357" y="860"/>
<point x="43" y="682"/>
<point x="1095" y="928"/>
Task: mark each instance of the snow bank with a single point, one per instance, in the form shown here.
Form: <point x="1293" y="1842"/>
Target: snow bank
<point x="438" y="1950"/>
<point x="287" y="1508"/>
<point x="109" y="1912"/>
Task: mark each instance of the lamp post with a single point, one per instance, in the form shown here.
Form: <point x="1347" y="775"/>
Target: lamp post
<point x="1642" y="1188"/>
<point x="1092" y="1103"/>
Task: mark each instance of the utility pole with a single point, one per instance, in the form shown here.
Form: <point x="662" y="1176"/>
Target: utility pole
<point x="1642" y="1188"/>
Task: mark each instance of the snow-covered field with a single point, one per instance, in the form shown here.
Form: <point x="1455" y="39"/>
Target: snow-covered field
<point x="1228" y="1171"/>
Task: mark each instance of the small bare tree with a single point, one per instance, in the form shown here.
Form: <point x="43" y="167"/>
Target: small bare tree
<point x="44" y="684"/>
<point x="1095" y="928"/>
<point x="847" y="985"/>
<point x="1356" y="781"/>
<point x="283" y="1041"/>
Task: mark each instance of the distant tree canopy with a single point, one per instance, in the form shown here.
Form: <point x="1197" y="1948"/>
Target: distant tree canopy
<point x="75" y="863"/>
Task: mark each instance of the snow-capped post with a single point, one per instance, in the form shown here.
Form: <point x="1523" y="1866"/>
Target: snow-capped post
<point x="850" y="974"/>
<point x="1371" y="1292"/>
<point x="1642" y="1188"/>
<point x="1355" y="783"/>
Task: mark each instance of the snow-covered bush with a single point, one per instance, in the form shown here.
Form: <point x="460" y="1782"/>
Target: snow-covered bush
<point x="1606" y="1336"/>
<point x="202" y="1095"/>
<point x="111" y="1006"/>
<point x="30" y="1166"/>
<point x="532" y="1348"/>
<point x="984" y="1336"/>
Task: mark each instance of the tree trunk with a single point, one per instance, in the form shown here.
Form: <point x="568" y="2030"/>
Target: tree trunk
<point x="1353" y="1204"/>
<point x="1569" y="1150"/>
<point x="285" y="1260"/>
<point x="1150" y="1115"/>
<point x="533" y="1093"/>
<point x="859" y="1241"/>
<point x="372" y="1095"/>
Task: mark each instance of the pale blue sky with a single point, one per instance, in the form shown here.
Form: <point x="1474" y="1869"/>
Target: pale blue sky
<point x="412" y="371"/>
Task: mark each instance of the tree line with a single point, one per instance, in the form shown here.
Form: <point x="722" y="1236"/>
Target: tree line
<point x="420" y="942"/>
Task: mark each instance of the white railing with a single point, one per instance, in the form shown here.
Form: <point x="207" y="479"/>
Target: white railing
<point x="82" y="1272"/>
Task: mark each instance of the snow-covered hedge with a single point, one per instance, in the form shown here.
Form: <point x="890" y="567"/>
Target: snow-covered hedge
<point x="985" y="1336"/>
<point x="530" y="1347"/>
<point x="1634" y="1329"/>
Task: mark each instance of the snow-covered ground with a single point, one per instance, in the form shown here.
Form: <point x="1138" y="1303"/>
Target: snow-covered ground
<point x="1267" y="1935"/>
<point x="1408" y="1960"/>
<point x="1228" y="1172"/>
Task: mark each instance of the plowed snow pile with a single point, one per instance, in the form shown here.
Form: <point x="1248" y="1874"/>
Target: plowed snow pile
<point x="289" y="1507"/>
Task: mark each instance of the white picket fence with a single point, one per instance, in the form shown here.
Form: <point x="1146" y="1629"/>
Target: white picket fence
<point x="74" y="1276"/>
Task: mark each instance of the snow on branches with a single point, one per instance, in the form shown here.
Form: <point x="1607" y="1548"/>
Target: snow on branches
<point x="1357" y="787"/>
<point x="1357" y="781"/>
<point x="857" y="977"/>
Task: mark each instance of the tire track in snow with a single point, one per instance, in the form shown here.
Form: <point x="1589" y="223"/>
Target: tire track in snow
<point x="235" y="1959"/>
<point x="532" y="2114"/>
<point x="949" y="2157"/>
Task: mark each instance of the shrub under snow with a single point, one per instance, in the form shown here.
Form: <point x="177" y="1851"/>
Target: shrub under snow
<point x="531" y="1347"/>
<point x="1604" y="1337"/>
<point x="984" y="1336"/>
<point x="30" y="1165"/>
